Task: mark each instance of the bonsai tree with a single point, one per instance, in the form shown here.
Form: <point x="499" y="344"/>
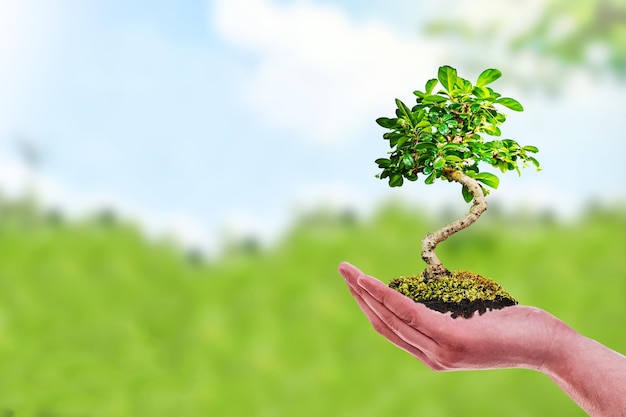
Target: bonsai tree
<point x="446" y="136"/>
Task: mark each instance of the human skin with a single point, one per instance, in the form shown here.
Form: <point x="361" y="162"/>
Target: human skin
<point x="591" y="374"/>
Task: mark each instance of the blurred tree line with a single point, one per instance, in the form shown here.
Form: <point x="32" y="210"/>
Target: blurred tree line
<point x="588" y="34"/>
<point x="96" y="320"/>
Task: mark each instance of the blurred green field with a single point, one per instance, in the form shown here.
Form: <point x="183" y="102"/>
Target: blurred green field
<point x="95" y="320"/>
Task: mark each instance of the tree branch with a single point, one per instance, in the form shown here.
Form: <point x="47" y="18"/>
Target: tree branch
<point x="435" y="268"/>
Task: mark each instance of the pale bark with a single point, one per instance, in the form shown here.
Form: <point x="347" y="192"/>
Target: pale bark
<point x="435" y="268"/>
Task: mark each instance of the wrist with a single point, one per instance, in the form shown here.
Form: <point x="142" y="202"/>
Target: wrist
<point x="564" y="347"/>
<point x="590" y="373"/>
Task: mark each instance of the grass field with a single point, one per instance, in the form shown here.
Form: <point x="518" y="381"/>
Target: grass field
<point x="95" y="320"/>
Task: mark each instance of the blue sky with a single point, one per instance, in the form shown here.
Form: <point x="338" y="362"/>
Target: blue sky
<point x="230" y="115"/>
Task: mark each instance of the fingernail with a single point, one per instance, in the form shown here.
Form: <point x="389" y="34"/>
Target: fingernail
<point x="363" y="283"/>
<point x="348" y="270"/>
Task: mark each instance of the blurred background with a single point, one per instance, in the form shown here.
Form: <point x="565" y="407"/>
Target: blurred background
<point x="179" y="180"/>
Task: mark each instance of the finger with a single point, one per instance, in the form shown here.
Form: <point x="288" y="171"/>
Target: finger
<point x="412" y="321"/>
<point x="381" y="327"/>
<point x="376" y="313"/>
<point x="350" y="272"/>
<point x="402" y="330"/>
<point x="416" y="315"/>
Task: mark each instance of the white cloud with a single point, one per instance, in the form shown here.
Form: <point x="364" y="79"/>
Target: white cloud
<point x="17" y="180"/>
<point x="17" y="32"/>
<point x="26" y="36"/>
<point x="510" y="17"/>
<point x="321" y="75"/>
<point x="332" y="196"/>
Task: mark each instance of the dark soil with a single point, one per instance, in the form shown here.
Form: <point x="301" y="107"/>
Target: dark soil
<point x="466" y="308"/>
<point x="462" y="293"/>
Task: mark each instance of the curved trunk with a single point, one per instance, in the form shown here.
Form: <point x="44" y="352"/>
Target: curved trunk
<point x="435" y="268"/>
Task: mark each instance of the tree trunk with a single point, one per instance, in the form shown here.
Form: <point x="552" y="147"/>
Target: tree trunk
<point x="435" y="268"/>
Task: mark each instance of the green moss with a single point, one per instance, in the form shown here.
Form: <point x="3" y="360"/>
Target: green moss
<point x="462" y="293"/>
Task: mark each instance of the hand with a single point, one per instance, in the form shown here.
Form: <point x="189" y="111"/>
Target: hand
<point x="591" y="374"/>
<point x="513" y="337"/>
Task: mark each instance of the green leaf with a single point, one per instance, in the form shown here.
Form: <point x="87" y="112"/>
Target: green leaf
<point x="511" y="103"/>
<point x="451" y="147"/>
<point x="511" y="145"/>
<point x="534" y="162"/>
<point x="443" y="129"/>
<point x="439" y="163"/>
<point x="471" y="173"/>
<point x="430" y="85"/>
<point x="454" y="159"/>
<point x="396" y="180"/>
<point x="464" y="85"/>
<point x="393" y="140"/>
<point x="488" y="179"/>
<point x="492" y="130"/>
<point x="430" y="179"/>
<point x="407" y="160"/>
<point x="447" y="77"/>
<point x="383" y="162"/>
<point x="434" y="99"/>
<point x="481" y="93"/>
<point x="488" y="76"/>
<point x="403" y="110"/>
<point x="531" y="148"/>
<point x="422" y="124"/>
<point x="467" y="196"/>
<point x="386" y="122"/>
<point x="423" y="146"/>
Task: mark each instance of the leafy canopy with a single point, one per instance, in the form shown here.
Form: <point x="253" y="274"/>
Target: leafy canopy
<point x="445" y="131"/>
